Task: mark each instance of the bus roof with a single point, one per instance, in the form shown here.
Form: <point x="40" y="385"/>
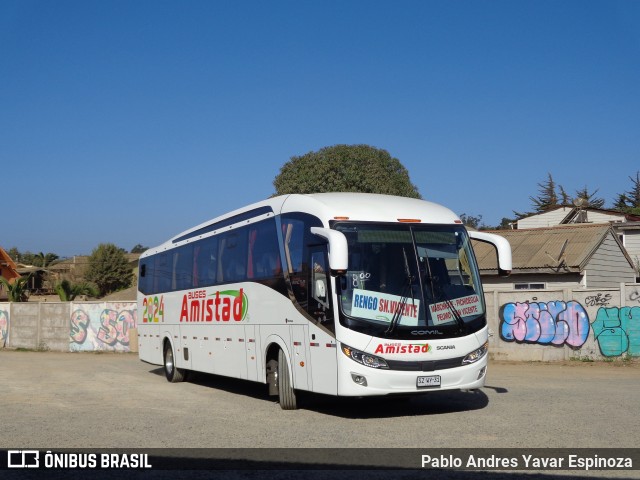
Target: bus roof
<point x="368" y="207"/>
<point x="330" y="206"/>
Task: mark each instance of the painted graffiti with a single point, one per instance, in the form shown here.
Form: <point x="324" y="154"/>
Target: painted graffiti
<point x="96" y="328"/>
<point x="617" y="331"/>
<point x="4" y="327"/>
<point x="634" y="296"/>
<point x="598" y="300"/>
<point x="115" y="326"/>
<point x="555" y="323"/>
<point x="79" y="325"/>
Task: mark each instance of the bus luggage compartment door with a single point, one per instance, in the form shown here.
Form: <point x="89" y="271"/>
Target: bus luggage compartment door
<point x="250" y="349"/>
<point x="322" y="356"/>
<point x="299" y="357"/>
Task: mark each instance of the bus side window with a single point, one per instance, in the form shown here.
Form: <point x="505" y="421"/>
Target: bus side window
<point x="233" y="256"/>
<point x="182" y="268"/>
<point x="305" y="257"/>
<point x="145" y="278"/>
<point x="162" y="273"/>
<point x="264" y="255"/>
<point x="205" y="262"/>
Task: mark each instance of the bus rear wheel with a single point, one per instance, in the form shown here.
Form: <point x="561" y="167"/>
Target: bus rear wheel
<point x="173" y="373"/>
<point x="286" y="393"/>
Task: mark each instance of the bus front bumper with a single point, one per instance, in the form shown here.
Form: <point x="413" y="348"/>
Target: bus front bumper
<point x="357" y="380"/>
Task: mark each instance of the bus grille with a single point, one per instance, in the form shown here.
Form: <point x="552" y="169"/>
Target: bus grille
<point x="426" y="366"/>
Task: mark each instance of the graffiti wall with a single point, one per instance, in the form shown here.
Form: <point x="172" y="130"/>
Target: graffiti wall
<point x="591" y="324"/>
<point x="617" y="331"/>
<point x="101" y="326"/>
<point x="4" y="326"/>
<point x="547" y="323"/>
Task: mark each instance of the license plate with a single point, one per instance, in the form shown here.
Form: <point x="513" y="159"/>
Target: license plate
<point x="432" y="381"/>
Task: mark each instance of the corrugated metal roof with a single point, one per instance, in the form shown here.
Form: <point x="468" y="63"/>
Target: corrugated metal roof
<point x="562" y="247"/>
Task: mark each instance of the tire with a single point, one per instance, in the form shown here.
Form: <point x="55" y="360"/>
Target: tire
<point x="173" y="374"/>
<point x="286" y="393"/>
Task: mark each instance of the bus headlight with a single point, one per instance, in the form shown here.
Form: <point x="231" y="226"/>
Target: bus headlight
<point x="476" y="355"/>
<point x="364" y="358"/>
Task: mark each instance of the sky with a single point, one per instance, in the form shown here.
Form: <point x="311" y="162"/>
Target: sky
<point x="128" y="122"/>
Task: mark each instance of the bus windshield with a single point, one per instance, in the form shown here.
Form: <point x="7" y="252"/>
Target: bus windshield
<point x="410" y="280"/>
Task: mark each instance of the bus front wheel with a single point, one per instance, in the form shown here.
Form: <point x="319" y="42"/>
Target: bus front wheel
<point x="173" y="373"/>
<point x="286" y="393"/>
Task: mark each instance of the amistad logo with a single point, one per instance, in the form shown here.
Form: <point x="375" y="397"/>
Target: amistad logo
<point x="400" y="348"/>
<point x="221" y="306"/>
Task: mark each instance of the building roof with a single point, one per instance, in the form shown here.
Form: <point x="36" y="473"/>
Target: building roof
<point x="571" y="214"/>
<point x="8" y="268"/>
<point x="559" y="249"/>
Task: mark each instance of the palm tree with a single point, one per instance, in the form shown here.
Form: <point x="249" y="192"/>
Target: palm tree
<point x="68" y="291"/>
<point x="46" y="259"/>
<point x="18" y="290"/>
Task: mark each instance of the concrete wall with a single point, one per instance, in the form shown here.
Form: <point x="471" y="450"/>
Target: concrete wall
<point x="531" y="325"/>
<point x="69" y="326"/>
<point x="548" y="325"/>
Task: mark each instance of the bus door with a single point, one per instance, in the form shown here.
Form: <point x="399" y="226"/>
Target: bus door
<point x="299" y="357"/>
<point x="322" y="351"/>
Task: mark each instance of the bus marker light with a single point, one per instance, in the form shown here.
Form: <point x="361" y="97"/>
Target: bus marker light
<point x="409" y="220"/>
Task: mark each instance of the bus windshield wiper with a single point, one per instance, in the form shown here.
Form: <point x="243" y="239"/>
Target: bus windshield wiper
<point x="397" y="314"/>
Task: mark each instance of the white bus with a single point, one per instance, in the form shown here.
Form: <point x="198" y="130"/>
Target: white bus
<point x="335" y="293"/>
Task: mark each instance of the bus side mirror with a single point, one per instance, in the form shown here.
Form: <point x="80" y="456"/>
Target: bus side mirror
<point x="338" y="250"/>
<point x="502" y="246"/>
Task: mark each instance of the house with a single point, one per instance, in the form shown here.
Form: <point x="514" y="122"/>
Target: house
<point x="8" y="270"/>
<point x="71" y="269"/>
<point x="626" y="226"/>
<point x="577" y="255"/>
<point x="37" y="278"/>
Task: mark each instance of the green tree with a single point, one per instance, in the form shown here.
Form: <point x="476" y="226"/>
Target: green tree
<point x="44" y="259"/>
<point x="592" y="200"/>
<point x="17" y="291"/>
<point x="139" y="248"/>
<point x="28" y="258"/>
<point x="621" y="202"/>
<point x="345" y="168"/>
<point x="14" y="253"/>
<point x="629" y="202"/>
<point x="68" y="291"/>
<point x="108" y="269"/>
<point x="633" y="195"/>
<point x="474" y="222"/>
<point x="547" y="197"/>
<point x="506" y="224"/>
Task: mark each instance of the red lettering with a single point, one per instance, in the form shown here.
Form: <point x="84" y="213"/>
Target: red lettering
<point x="237" y="307"/>
<point x="194" y="314"/>
<point x="226" y="309"/>
<point x="379" y="349"/>
<point x="209" y="310"/>
<point x="217" y="303"/>
<point x="184" y="313"/>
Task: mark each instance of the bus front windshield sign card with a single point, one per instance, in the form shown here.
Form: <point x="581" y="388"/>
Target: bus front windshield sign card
<point x="382" y="306"/>
<point x="442" y="312"/>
